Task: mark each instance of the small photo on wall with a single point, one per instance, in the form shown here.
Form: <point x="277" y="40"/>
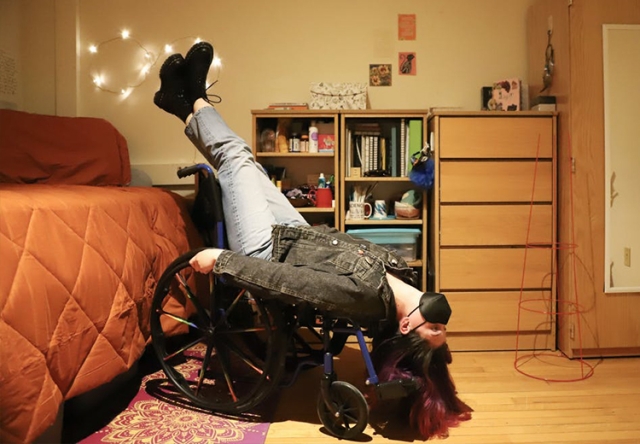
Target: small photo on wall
<point x="406" y="26"/>
<point x="407" y="63"/>
<point x="380" y="75"/>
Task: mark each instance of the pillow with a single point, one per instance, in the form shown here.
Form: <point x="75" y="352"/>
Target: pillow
<point x="36" y="148"/>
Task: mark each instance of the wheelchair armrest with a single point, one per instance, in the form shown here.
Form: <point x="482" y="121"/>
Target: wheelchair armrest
<point x="398" y="388"/>
<point x="193" y="169"/>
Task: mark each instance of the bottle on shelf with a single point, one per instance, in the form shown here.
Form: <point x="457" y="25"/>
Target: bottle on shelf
<point x="294" y="143"/>
<point x="313" y="137"/>
<point x="322" y="182"/>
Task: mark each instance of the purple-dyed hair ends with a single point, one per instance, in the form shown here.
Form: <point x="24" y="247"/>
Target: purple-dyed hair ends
<point x="435" y="406"/>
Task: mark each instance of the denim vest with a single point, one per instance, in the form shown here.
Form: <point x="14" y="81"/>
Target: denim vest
<point x="334" y="272"/>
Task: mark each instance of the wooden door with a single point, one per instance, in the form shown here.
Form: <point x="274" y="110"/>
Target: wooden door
<point x="610" y="323"/>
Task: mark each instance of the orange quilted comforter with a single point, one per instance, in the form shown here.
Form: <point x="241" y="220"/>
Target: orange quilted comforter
<point x="79" y="265"/>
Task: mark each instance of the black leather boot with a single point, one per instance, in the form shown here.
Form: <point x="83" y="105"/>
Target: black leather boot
<point x="198" y="61"/>
<point x="172" y="95"/>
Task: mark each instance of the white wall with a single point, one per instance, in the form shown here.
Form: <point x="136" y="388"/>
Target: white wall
<point x="10" y="61"/>
<point x="271" y="51"/>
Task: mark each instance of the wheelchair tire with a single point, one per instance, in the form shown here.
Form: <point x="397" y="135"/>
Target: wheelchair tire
<point x="351" y="406"/>
<point x="227" y="357"/>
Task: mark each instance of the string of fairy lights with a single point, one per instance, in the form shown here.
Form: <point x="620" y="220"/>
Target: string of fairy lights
<point x="143" y="66"/>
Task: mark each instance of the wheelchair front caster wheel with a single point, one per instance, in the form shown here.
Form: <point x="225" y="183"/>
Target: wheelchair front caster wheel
<point x="352" y="408"/>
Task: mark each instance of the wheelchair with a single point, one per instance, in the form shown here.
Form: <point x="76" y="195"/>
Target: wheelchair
<point x="228" y="351"/>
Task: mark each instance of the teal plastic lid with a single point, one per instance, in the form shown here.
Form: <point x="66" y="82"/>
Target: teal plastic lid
<point x="384" y="231"/>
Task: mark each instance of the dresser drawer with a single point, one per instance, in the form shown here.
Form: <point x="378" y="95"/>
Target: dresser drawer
<point x="494" y="268"/>
<point x="487" y="181"/>
<point x="491" y="137"/>
<point x="497" y="311"/>
<point x="495" y="224"/>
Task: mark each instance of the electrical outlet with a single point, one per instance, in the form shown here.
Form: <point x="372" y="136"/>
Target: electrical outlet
<point x="627" y="256"/>
<point x="572" y="332"/>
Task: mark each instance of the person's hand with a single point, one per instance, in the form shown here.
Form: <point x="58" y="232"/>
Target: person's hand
<point x="204" y="261"/>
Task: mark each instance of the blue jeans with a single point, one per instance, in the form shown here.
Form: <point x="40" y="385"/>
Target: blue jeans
<point x="334" y="272"/>
<point x="252" y="204"/>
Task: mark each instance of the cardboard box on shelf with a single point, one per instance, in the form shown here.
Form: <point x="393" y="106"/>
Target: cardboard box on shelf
<point x="326" y="95"/>
<point x="326" y="143"/>
<point x="544" y="107"/>
<point x="543" y="103"/>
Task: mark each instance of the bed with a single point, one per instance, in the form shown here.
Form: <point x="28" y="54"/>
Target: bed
<point x="81" y="252"/>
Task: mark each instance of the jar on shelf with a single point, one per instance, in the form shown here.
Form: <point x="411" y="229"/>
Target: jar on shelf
<point x="294" y="143"/>
<point x="268" y="141"/>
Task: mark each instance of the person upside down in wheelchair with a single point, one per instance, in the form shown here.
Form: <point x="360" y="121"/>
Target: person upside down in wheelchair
<point x="274" y="253"/>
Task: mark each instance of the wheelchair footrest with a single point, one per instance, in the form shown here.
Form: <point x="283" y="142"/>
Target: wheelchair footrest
<point x="398" y="388"/>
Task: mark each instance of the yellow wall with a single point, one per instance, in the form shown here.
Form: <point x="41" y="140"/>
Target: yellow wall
<point x="271" y="51"/>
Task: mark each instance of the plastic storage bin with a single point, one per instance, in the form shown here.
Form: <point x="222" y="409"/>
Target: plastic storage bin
<point x="403" y="240"/>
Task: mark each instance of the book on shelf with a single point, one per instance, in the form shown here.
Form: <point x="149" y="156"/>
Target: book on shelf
<point x="415" y="140"/>
<point x="382" y="147"/>
<point x="403" y="148"/>
<point x="326" y="143"/>
<point x="543" y="103"/>
<point x="544" y="107"/>
<point x="288" y="106"/>
<point x="505" y="95"/>
<point x="393" y="142"/>
<point x="348" y="153"/>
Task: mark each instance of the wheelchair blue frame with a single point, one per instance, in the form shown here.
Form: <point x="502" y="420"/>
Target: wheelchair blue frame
<point x="341" y="406"/>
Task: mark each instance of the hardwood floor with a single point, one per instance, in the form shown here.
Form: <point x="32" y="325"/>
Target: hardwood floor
<point x="508" y="406"/>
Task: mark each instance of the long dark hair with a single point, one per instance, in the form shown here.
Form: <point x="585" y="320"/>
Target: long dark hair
<point x="435" y="406"/>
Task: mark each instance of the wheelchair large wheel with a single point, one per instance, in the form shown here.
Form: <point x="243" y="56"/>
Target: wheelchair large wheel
<point x="352" y="408"/>
<point x="229" y="352"/>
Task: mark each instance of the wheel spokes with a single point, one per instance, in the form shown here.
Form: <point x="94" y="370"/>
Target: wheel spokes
<point x="227" y="312"/>
<point x="349" y="418"/>
<point x="222" y="354"/>
<point x="178" y="318"/>
<point x="183" y="349"/>
<point x="246" y="330"/>
<point x="200" y="310"/>
<point x="205" y="365"/>
<point x="224" y="364"/>
<point x="244" y="357"/>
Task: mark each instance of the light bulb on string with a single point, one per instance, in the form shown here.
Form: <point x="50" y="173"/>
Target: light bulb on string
<point x="141" y="69"/>
<point x="133" y="78"/>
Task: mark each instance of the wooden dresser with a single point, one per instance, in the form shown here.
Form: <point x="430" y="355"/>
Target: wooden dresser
<point x="487" y="217"/>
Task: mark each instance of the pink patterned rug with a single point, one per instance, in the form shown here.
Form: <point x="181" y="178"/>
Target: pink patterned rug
<point x="150" y="420"/>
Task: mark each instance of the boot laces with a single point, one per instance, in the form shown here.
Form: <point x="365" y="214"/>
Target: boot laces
<point x="213" y="99"/>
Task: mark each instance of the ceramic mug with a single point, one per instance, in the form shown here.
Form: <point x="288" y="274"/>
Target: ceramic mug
<point x="359" y="210"/>
<point x="321" y="197"/>
<point x="379" y="209"/>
